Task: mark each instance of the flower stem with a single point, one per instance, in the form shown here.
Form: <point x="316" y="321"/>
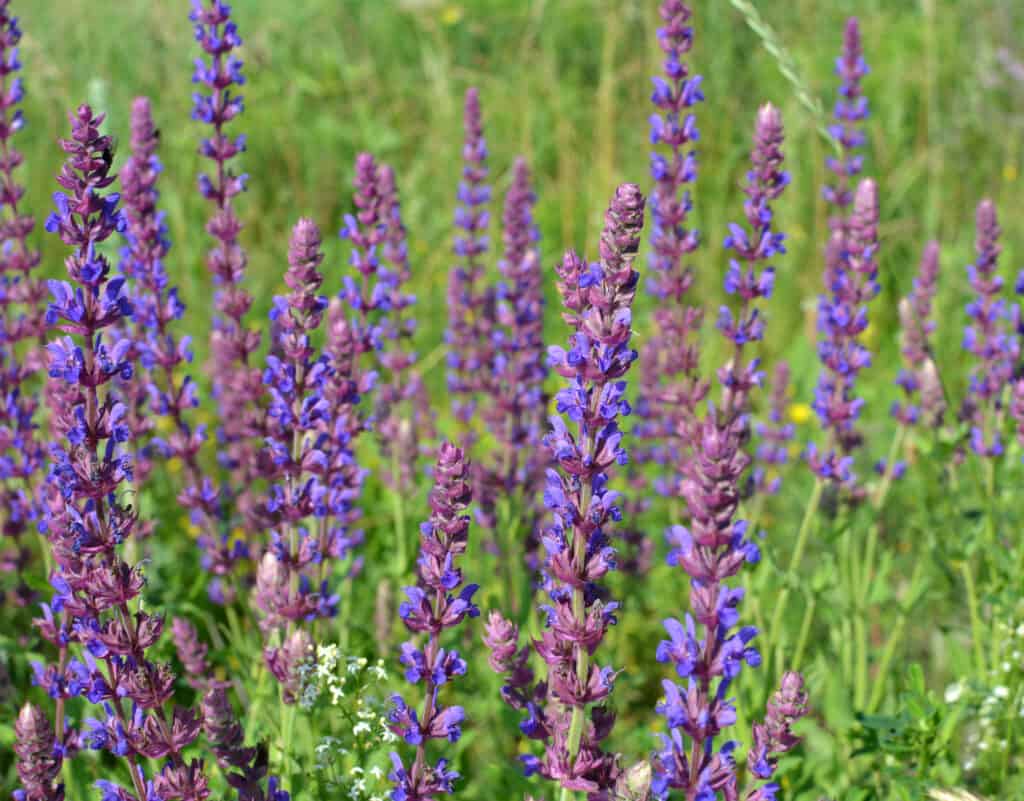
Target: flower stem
<point x="794" y="563"/>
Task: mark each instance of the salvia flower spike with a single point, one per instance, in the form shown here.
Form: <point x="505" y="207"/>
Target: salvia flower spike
<point x="292" y="582"/>
<point x="842" y="320"/>
<point x="989" y="337"/>
<point x="439" y="602"/>
<point x="848" y="287"/>
<point x="924" y="401"/>
<point x="709" y="647"/>
<point x="470" y="303"/>
<point x="566" y="713"/>
<point x="515" y="403"/>
<point x="671" y="388"/>
<point x="88" y="520"/>
<point x="236" y="385"/>
<point x="22" y="324"/>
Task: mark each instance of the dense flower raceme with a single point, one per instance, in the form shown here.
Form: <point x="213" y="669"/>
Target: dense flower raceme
<point x="848" y="287"/>
<point x="750" y="278"/>
<point x="566" y="713"/>
<point x="990" y="337"/>
<point x="842" y="320"/>
<point x="237" y="384"/>
<point x="516" y="403"/>
<point x="470" y="303"/>
<point x="924" y="401"/>
<point x="88" y="519"/>
<point x="244" y="767"/>
<point x="710" y="648"/>
<point x="38" y="760"/>
<point x="670" y="388"/>
<point x="850" y="111"/>
<point x="438" y="602"/>
<point x="21" y="327"/>
<point x="404" y="420"/>
<point x="309" y="443"/>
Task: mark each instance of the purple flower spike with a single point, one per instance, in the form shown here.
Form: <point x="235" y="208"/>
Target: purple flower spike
<point x="310" y="436"/>
<point x="671" y="389"/>
<point x="989" y="337"/>
<point x="567" y="713"/>
<point x="39" y="761"/>
<point x="245" y="768"/>
<point x="470" y="305"/>
<point x="22" y="327"/>
<point x="710" y="648"/>
<point x="404" y="419"/>
<point x="775" y="737"/>
<point x="851" y="110"/>
<point x="516" y="400"/>
<point x="441" y="601"/>
<point x="750" y="277"/>
<point x="87" y="519"/>
<point x="842" y="320"/>
<point x="237" y="382"/>
<point x="924" y="399"/>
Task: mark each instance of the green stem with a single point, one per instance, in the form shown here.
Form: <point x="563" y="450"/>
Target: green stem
<point x="889" y="650"/>
<point x="798" y="551"/>
<point x="877" y="501"/>
<point x="976" y="626"/>
<point x="805" y="630"/>
<point x="398" y="510"/>
<point x="860" y="686"/>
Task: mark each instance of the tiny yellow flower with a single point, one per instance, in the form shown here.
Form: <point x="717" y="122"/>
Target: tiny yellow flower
<point x="174" y="466"/>
<point x="1009" y="172"/>
<point x="799" y="413"/>
<point x="451" y="14"/>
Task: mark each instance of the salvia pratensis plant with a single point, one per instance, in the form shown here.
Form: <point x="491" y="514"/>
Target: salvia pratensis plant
<point x="671" y="388"/>
<point x="470" y="302"/>
<point x="710" y="648"/>
<point x="515" y="403"/>
<point x="237" y="384"/>
<point x="404" y="419"/>
<point x="94" y="587"/>
<point x="848" y="289"/>
<point x="989" y="337"/>
<point x="22" y="296"/>
<point x="568" y="713"/>
<point x="439" y="602"/>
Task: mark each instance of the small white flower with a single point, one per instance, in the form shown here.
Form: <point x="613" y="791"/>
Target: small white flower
<point x="1001" y="692"/>
<point x="362" y="727"/>
<point x="377" y="772"/>
<point x="954" y="692"/>
<point x="1020" y="630"/>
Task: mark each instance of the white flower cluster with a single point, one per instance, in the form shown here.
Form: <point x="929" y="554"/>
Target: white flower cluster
<point x="352" y="762"/>
<point x="997" y="700"/>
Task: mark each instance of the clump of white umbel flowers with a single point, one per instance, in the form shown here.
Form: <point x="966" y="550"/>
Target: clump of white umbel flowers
<point x="350" y="694"/>
<point x="995" y="701"/>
